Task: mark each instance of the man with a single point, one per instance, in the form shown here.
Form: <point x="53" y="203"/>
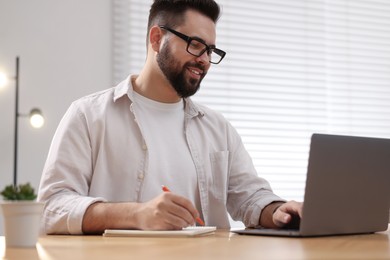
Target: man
<point x="113" y="150"/>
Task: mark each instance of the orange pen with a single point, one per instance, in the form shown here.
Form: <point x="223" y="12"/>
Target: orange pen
<point x="198" y="219"/>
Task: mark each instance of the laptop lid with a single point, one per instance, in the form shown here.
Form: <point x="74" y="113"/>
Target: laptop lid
<point x="348" y="185"/>
<point x="347" y="188"/>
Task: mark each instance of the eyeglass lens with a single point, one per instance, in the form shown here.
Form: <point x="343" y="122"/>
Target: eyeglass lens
<point x="197" y="48"/>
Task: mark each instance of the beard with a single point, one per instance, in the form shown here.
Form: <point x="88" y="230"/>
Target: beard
<point x="175" y="74"/>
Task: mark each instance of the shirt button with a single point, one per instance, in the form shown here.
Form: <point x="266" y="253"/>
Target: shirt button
<point x="144" y="147"/>
<point x="141" y="176"/>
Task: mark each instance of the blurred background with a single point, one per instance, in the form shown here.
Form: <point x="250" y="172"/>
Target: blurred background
<point x="293" y="67"/>
<point x="65" y="53"/>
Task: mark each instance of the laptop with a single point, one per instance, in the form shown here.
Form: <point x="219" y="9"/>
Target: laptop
<point x="347" y="188"/>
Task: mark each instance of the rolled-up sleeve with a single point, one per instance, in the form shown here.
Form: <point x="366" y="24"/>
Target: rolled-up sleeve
<point x="66" y="176"/>
<point x="248" y="193"/>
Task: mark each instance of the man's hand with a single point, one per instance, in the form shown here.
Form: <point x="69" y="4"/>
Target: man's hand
<point x="167" y="211"/>
<point x="281" y="214"/>
<point x="287" y="213"/>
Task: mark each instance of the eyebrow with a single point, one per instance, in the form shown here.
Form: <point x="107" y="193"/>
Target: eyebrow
<point x="202" y="41"/>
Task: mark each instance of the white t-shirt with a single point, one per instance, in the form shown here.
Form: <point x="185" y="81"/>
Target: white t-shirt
<point x="170" y="161"/>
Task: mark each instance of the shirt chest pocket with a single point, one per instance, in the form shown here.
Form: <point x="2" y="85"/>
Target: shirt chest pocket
<point x="219" y="174"/>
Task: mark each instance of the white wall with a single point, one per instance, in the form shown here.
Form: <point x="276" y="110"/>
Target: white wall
<point x="65" y="53"/>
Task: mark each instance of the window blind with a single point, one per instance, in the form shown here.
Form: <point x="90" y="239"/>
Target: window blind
<point x="293" y="67"/>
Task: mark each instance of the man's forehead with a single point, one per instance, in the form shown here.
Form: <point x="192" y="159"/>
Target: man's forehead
<point x="198" y="25"/>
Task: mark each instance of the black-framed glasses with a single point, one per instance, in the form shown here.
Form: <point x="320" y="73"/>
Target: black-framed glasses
<point x="197" y="46"/>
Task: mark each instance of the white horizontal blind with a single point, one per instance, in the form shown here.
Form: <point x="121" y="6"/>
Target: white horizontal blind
<point x="129" y="23"/>
<point x="293" y="67"/>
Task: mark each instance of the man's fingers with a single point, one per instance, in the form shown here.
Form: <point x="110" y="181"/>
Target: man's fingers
<point x="166" y="211"/>
<point x="286" y="212"/>
<point x="178" y="210"/>
<point x="184" y="208"/>
<point x="281" y="218"/>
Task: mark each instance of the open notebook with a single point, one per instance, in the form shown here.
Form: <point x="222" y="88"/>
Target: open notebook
<point x="185" y="232"/>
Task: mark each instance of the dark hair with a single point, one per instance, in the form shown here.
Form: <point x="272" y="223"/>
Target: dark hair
<point x="171" y="12"/>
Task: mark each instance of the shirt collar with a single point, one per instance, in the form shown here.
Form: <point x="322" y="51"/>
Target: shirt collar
<point x="192" y="109"/>
<point x="125" y="87"/>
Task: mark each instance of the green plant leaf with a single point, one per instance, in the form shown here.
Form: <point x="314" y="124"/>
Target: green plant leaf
<point x="21" y="192"/>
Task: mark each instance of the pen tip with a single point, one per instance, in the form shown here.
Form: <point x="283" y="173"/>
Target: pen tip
<point x="165" y="188"/>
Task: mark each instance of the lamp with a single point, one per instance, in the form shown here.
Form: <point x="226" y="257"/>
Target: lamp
<point x="36" y="118"/>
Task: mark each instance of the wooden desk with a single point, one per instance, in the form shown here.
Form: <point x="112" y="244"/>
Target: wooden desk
<point x="222" y="245"/>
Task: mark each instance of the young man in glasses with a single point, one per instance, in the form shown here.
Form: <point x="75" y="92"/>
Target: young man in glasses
<point x="113" y="150"/>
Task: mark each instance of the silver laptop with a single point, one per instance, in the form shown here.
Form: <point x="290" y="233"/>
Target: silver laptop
<point x="347" y="188"/>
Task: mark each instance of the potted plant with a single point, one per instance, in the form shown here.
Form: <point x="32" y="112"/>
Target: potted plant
<point x="21" y="214"/>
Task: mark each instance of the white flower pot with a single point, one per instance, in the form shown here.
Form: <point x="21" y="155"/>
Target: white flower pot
<point x="21" y="222"/>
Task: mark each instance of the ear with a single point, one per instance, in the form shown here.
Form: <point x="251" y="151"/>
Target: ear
<point x="155" y="37"/>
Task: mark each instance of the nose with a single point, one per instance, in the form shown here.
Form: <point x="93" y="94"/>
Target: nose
<point x="203" y="59"/>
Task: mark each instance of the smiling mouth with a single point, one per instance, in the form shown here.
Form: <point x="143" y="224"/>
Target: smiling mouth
<point x="196" y="72"/>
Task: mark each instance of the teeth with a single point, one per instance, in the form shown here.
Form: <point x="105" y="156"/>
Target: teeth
<point x="195" y="72"/>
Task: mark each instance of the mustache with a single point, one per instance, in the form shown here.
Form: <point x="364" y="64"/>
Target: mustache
<point x="196" y="65"/>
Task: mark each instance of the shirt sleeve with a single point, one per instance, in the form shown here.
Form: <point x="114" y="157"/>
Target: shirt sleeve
<point x="66" y="176"/>
<point x="248" y="193"/>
